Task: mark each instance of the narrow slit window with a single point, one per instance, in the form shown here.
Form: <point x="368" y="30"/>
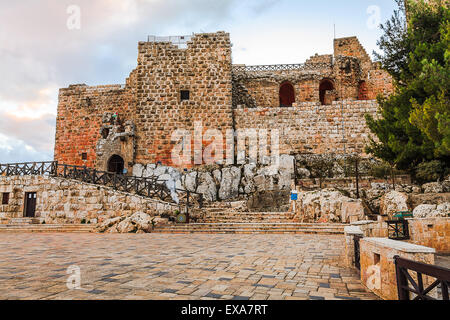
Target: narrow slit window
<point x="185" y="95"/>
<point x="84" y="156"/>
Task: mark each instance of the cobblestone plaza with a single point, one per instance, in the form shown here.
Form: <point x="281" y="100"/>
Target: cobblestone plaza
<point x="167" y="266"/>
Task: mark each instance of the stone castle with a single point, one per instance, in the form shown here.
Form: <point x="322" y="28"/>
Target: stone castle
<point x="319" y="105"/>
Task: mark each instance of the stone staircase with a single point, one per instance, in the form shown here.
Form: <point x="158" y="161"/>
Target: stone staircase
<point x="231" y="221"/>
<point x="34" y="225"/>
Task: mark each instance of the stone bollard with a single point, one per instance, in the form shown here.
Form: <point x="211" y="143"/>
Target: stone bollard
<point x="378" y="268"/>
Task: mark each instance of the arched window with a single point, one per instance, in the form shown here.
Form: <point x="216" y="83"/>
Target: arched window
<point x="287" y="94"/>
<point x="325" y="85"/>
<point x="116" y="164"/>
<point x="363" y="91"/>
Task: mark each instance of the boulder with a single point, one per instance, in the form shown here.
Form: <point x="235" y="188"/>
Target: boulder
<point x="303" y="173"/>
<point x="423" y="210"/>
<point x="207" y="186"/>
<point x="247" y="182"/>
<point x="393" y="202"/>
<point x="190" y="181"/>
<point x="126" y="226"/>
<point x="108" y="224"/>
<point x="433" y="187"/>
<point x="327" y="205"/>
<point x="432" y="210"/>
<point x="229" y="184"/>
<point x="142" y="220"/>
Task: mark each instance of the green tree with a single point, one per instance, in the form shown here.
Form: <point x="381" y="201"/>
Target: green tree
<point x="414" y="122"/>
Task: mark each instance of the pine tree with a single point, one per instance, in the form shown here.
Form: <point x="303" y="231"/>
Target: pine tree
<point x="414" y="123"/>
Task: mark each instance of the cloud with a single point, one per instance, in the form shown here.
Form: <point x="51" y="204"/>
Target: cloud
<point x="27" y="137"/>
<point x="39" y="54"/>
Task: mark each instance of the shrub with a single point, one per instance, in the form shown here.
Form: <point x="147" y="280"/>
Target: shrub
<point x="430" y="171"/>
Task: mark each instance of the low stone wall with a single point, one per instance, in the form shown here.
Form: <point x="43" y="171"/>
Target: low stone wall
<point x="68" y="201"/>
<point x="378" y="268"/>
<point x="431" y="232"/>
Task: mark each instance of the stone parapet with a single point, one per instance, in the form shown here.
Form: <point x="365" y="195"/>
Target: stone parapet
<point x="377" y="263"/>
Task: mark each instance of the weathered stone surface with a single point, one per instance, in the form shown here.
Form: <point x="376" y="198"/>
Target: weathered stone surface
<point x="70" y="201"/>
<point x="190" y="181"/>
<point x="393" y="202"/>
<point x="424" y="210"/>
<point x="433" y="187"/>
<point x="229" y="185"/>
<point x="428" y="198"/>
<point x="207" y="186"/>
<point x="432" y="210"/>
<point x="269" y="201"/>
<point x="327" y="205"/>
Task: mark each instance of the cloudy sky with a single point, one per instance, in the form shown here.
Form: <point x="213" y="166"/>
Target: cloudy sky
<point x="42" y="49"/>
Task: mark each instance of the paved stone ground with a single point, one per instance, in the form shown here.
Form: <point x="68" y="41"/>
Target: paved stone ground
<point x="167" y="266"/>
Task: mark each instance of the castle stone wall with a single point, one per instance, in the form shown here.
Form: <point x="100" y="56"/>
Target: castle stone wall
<point x="204" y="68"/>
<point x="80" y="117"/>
<point x="312" y="127"/>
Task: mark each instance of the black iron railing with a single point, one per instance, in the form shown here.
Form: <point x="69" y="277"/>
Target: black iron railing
<point x="279" y="67"/>
<point x="398" y="229"/>
<point x="405" y="279"/>
<point x="357" y="251"/>
<point x="146" y="187"/>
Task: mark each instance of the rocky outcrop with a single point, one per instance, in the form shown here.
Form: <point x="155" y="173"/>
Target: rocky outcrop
<point x="393" y="202"/>
<point x="328" y="205"/>
<point x="267" y="201"/>
<point x="432" y="210"/>
<point x="225" y="183"/>
<point x="433" y="187"/>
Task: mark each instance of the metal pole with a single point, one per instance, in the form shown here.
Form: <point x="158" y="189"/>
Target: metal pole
<point x="187" y="207"/>
<point x="357" y="178"/>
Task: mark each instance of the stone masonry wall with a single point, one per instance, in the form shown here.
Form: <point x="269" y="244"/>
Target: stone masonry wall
<point x="313" y="128"/>
<point x="431" y="232"/>
<point x="80" y="112"/>
<point x="204" y="68"/>
<point x="69" y="201"/>
<point x="150" y="107"/>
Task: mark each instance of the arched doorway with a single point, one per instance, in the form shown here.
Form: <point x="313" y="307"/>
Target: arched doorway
<point x="287" y="94"/>
<point x="325" y="85"/>
<point x="363" y="91"/>
<point x="116" y="164"/>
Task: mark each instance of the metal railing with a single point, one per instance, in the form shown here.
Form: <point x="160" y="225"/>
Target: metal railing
<point x="398" y="229"/>
<point x="279" y="67"/>
<point x="404" y="279"/>
<point x="146" y="187"/>
<point x="357" y="251"/>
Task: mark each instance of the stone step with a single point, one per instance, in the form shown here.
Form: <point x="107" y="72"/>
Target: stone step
<point x="249" y="226"/>
<point x="246" y="231"/>
<point x="253" y="228"/>
<point x="45" y="228"/>
<point x="22" y="221"/>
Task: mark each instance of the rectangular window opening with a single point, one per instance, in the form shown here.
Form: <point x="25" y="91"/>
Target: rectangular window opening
<point x="185" y="95"/>
<point x="376" y="258"/>
<point x="84" y="156"/>
<point x="5" y="198"/>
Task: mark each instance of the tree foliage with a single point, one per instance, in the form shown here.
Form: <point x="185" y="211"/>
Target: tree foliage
<point x="414" y="126"/>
